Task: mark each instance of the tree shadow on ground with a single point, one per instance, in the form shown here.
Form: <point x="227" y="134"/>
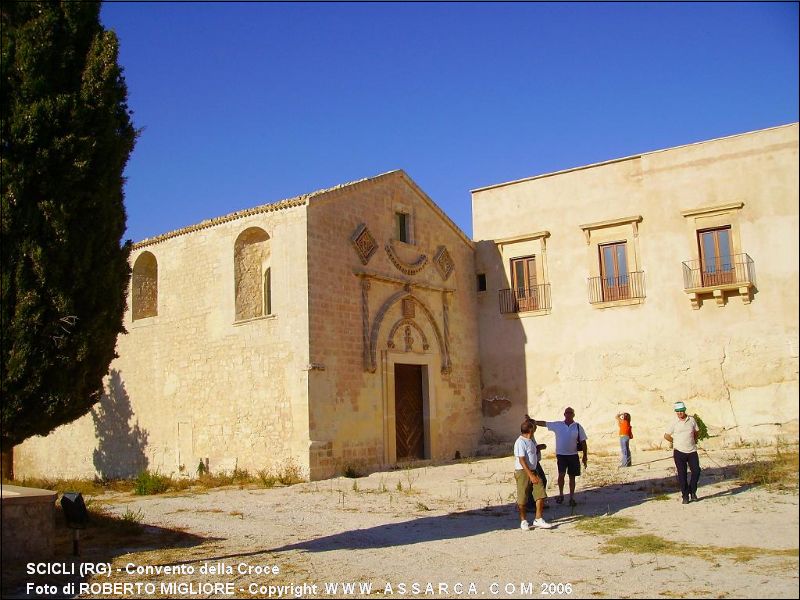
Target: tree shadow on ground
<point x="105" y="538"/>
<point x="120" y="452"/>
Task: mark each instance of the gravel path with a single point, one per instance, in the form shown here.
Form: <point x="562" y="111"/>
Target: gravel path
<point x="451" y="531"/>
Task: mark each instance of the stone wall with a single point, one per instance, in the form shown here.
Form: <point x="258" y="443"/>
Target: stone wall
<point x="376" y="301"/>
<point x="194" y="383"/>
<point x="734" y="362"/>
<point x="29" y="522"/>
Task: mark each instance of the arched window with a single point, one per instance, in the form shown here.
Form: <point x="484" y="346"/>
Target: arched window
<point x="251" y="271"/>
<point x="144" y="292"/>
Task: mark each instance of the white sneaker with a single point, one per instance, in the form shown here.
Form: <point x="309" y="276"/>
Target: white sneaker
<point x="524" y="525"/>
<point x="541" y="524"/>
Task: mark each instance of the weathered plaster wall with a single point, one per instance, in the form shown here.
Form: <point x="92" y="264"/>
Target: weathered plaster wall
<point x="192" y="383"/>
<point x="351" y="416"/>
<point x="736" y="365"/>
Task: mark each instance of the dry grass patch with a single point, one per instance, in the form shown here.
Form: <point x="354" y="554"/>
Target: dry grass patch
<point x="87" y="487"/>
<point x="653" y="544"/>
<point x="778" y="471"/>
<point x="288" y="473"/>
<point x="605" y="525"/>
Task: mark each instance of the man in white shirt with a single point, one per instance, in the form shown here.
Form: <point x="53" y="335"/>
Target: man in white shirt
<point x="570" y="438"/>
<point x="525" y="461"/>
<point x="682" y="434"/>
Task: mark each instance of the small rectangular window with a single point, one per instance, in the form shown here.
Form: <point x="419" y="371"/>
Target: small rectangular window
<point x="481" y="282"/>
<point x="402" y="222"/>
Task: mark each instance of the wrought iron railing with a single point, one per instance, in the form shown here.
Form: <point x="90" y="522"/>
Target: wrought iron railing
<point x="734" y="270"/>
<point x="518" y="300"/>
<point x="608" y="289"/>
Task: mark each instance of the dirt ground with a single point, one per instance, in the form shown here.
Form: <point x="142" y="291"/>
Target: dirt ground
<point x="451" y="531"/>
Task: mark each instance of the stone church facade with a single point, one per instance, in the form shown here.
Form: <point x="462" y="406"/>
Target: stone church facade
<point x="331" y="330"/>
<point x="359" y="327"/>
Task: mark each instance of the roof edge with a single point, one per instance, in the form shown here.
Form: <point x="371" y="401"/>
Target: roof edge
<point x="301" y="200"/>
<point x="430" y="202"/>
<point x="625" y="158"/>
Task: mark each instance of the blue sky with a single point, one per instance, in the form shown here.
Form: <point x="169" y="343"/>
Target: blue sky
<point x="242" y="104"/>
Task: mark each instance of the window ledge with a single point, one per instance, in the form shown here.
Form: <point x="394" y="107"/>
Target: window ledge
<point x="261" y="318"/>
<point x="615" y="303"/>
<point x="527" y="313"/>
<point x="143" y="321"/>
<point x="745" y="290"/>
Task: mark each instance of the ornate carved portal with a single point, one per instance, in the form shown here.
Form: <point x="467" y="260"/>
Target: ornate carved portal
<point x="409" y="327"/>
<point x="407" y="334"/>
<point x="365" y="321"/>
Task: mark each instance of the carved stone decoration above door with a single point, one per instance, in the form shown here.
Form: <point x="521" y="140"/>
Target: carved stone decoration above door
<point x="444" y="262"/>
<point x="404" y="266"/>
<point x="424" y="312"/>
<point x="408" y="308"/>
<point x="407" y="326"/>
<point x="364" y="243"/>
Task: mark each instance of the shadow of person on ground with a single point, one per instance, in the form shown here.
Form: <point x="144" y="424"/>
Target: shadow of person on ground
<point x="614" y="497"/>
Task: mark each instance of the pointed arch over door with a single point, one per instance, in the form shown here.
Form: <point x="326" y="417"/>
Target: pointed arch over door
<point x="381" y="314"/>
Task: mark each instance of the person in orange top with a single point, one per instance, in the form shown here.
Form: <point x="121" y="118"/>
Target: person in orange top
<point x="625" y="437"/>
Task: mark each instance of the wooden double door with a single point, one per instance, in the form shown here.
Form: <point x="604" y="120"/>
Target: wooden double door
<point x="409" y="412"/>
<point x="716" y="262"/>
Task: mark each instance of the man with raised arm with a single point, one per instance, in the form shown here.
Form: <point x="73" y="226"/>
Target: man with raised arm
<point x="570" y="439"/>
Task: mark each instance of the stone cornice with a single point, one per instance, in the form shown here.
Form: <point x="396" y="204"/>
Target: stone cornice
<point x="712" y="210"/>
<point x="634" y="220"/>
<point x="401" y="282"/>
<point x="522" y="238"/>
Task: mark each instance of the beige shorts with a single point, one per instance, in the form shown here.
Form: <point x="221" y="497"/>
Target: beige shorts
<point x="524" y="484"/>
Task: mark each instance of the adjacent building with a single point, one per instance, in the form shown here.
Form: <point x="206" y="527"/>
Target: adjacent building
<point x="633" y="283"/>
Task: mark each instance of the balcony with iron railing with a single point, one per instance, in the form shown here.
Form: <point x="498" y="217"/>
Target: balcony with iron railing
<point x="517" y="300"/>
<point x="629" y="286"/>
<point x="735" y="272"/>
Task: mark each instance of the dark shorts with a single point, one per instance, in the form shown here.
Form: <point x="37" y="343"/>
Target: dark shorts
<point x="568" y="463"/>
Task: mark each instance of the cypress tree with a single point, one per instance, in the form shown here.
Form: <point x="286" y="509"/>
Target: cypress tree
<point x="66" y="137"/>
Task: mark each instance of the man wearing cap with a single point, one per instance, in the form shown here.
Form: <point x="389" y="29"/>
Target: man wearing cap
<point x="682" y="434"/>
